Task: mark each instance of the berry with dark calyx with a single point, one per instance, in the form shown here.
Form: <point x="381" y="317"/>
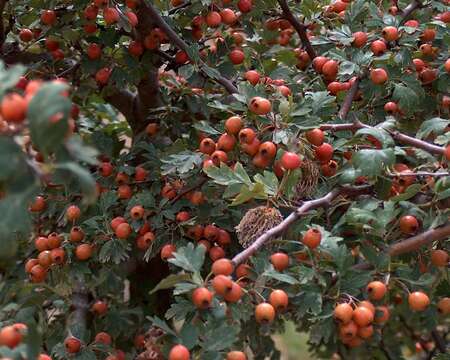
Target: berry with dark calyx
<point x="376" y="290"/>
<point x="72" y="345"/>
<point x="202" y="298"/>
<point x="312" y="238"/>
<point x="279" y="300"/>
<point x="264" y="313"/>
<point x="222" y="284"/>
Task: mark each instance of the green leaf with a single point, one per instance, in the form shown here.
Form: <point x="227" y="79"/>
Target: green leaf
<point x="380" y="134"/>
<point x="256" y="191"/>
<point x="84" y="177"/>
<point x="10" y="77"/>
<point x="48" y="135"/>
<point x="180" y="163"/>
<point x="241" y="174"/>
<point x="405" y="97"/>
<point x="115" y="251"/>
<point x="434" y="126"/>
<point x="223" y="175"/>
<point x="189" y="334"/>
<point x="371" y="162"/>
<point x="219" y="335"/>
<point x="156" y="321"/>
<point x="273" y="274"/>
<point x="204" y="127"/>
<point x="170" y="281"/>
<point x="189" y="258"/>
<point x="270" y="182"/>
<point x="410" y="192"/>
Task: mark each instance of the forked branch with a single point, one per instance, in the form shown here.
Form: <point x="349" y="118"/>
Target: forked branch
<point x="299" y="27"/>
<point x="299" y="212"/>
<point x="182" y="45"/>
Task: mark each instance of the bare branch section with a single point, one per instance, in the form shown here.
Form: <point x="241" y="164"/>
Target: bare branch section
<point x="80" y="305"/>
<point x="299" y="212"/>
<point x="407" y="12"/>
<point x="404" y="139"/>
<point x="299" y="27"/>
<point x="348" y="101"/>
<point x="182" y="45"/>
<point x="416" y="242"/>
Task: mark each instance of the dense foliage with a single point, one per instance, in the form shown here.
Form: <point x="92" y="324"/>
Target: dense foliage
<point x="178" y="180"/>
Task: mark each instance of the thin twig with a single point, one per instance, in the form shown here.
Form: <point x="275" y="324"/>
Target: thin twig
<point x="181" y="44"/>
<point x="440" y="343"/>
<point x="299" y="27"/>
<point x="347" y="104"/>
<point x="188" y="190"/>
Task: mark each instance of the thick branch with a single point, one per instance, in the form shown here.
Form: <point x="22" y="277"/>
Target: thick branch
<point x="181" y="44"/>
<point x="123" y="100"/>
<point x="80" y="305"/>
<point x="299" y="27"/>
<point x="299" y="212"/>
<point x="409" y="140"/>
<point x="416" y="242"/>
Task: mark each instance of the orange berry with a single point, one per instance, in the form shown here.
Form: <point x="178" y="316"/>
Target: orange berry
<point x="418" y="301"/>
<point x="222" y="267"/>
<point x="376" y="290"/>
<point x="202" y="298"/>
<point x="343" y="313"/>
<point x="280" y="261"/>
<point x="279" y="300"/>
<point x="264" y="313"/>
<point x="362" y="316"/>
<point x="439" y="258"/>
<point x="312" y="238"/>
<point x="179" y="352"/>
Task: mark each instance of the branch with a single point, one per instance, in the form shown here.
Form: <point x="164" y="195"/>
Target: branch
<point x="347" y="104"/>
<point x="80" y="304"/>
<point x="2" y="28"/>
<point x="299" y="27"/>
<point x="440" y="343"/>
<point x="179" y="7"/>
<point x="405" y="139"/>
<point x="181" y="44"/>
<point x="299" y="212"/>
<point x="409" y="140"/>
<point x="407" y="12"/>
<point x="418" y="173"/>
<point x="123" y="100"/>
<point x="416" y="242"/>
<point x="188" y="190"/>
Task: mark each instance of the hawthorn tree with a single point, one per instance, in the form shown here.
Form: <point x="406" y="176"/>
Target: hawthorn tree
<point x="178" y="180"/>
